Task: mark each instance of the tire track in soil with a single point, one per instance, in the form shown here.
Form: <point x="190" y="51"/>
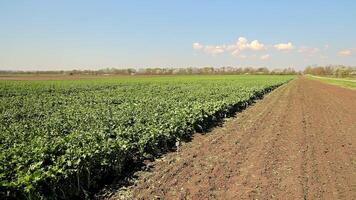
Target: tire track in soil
<point x="296" y="143"/>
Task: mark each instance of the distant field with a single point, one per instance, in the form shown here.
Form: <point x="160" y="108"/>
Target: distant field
<point x="343" y="82"/>
<point x="61" y="138"/>
<point x="58" y="76"/>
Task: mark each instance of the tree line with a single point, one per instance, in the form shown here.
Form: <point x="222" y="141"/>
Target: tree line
<point x="165" y="71"/>
<point x="339" y="71"/>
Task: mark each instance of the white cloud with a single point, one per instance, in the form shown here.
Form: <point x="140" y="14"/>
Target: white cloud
<point x="209" y="49"/>
<point x="242" y="44"/>
<point x="214" y="50"/>
<point x="255" y="45"/>
<point x="284" y="46"/>
<point x="243" y="48"/>
<point x="242" y="40"/>
<point x="197" y="46"/>
<point x="308" y="51"/>
<point x="242" y="56"/>
<point x="323" y="57"/>
<point x="236" y="52"/>
<point x="345" y="52"/>
<point x="265" y="57"/>
<point x="234" y="49"/>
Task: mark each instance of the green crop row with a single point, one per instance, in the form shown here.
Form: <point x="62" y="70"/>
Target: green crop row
<point x="61" y="139"/>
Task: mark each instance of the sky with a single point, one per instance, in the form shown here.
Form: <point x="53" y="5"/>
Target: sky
<point x="88" y="34"/>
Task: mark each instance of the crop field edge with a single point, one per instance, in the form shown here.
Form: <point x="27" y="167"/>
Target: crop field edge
<point x="345" y="83"/>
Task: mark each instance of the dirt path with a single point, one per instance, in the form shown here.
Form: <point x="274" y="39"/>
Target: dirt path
<point x="297" y="143"/>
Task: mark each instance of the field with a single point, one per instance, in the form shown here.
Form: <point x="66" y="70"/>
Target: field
<point x="343" y="82"/>
<point x="63" y="138"/>
<point x="296" y="143"/>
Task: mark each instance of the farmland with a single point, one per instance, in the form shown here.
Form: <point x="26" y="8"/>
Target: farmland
<point x="62" y="138"/>
<point x="343" y="82"/>
<point x="296" y="143"/>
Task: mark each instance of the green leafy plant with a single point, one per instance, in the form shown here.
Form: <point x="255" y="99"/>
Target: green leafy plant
<point x="60" y="139"/>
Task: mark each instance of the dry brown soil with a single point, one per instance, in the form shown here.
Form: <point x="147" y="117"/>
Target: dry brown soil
<point x="296" y="143"/>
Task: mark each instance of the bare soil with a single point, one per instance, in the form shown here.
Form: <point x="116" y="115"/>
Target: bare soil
<point x="296" y="143"/>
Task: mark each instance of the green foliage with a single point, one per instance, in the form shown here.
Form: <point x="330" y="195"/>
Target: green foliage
<point x="60" y="139"/>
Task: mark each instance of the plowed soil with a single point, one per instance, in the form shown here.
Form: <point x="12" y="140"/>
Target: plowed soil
<point x="296" y="143"/>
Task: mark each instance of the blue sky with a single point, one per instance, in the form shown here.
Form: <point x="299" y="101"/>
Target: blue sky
<point x="55" y="35"/>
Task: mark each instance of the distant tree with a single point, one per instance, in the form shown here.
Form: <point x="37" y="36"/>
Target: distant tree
<point x="337" y="71"/>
